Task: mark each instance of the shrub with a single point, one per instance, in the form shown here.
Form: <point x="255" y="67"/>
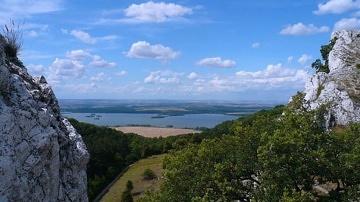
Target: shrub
<point x="13" y="38"/>
<point x="358" y="66"/>
<point x="148" y="174"/>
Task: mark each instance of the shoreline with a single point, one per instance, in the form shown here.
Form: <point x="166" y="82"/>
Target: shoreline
<point x="155" y="131"/>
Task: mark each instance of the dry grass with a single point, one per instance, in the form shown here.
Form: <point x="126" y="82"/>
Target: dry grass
<point x="135" y="175"/>
<point x="155" y="132"/>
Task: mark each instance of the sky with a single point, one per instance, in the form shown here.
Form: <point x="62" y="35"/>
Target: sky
<point x="185" y="50"/>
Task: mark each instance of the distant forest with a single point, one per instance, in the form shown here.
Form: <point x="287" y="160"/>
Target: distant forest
<point x="167" y="107"/>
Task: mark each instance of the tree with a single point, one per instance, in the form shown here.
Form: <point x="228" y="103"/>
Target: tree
<point x="126" y="196"/>
<point x="319" y="67"/>
<point x="325" y="51"/>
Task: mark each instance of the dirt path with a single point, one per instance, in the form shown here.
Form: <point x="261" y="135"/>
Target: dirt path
<point x="154" y="131"/>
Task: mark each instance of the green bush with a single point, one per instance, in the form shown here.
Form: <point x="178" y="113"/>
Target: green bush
<point x="148" y="174"/>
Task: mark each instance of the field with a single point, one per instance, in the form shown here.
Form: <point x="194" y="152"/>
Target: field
<point x="154" y="131"/>
<point x="134" y="173"/>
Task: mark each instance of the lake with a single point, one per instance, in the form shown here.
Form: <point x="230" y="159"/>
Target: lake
<point x="122" y="119"/>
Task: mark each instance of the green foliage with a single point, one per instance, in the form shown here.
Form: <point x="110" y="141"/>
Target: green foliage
<point x="297" y="101"/>
<point x="274" y="155"/>
<point x="325" y="51"/>
<point x="111" y="151"/>
<point x="358" y="66"/>
<point x="126" y="196"/>
<point x="319" y="66"/>
<point x="129" y="185"/>
<point x="149" y="174"/>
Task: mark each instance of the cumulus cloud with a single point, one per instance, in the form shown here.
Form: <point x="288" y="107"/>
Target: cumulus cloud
<point x="101" y="63"/>
<point x="155" y="12"/>
<point x="347" y="23"/>
<point x="78" y="55"/>
<point x="163" y="77"/>
<point x="74" y="66"/>
<point x="144" y="50"/>
<point x="304" y="58"/>
<point x="64" y="69"/>
<point x="192" y="75"/>
<point x="272" y="76"/>
<point x="216" y="62"/>
<point x="301" y="29"/>
<point x="337" y="6"/>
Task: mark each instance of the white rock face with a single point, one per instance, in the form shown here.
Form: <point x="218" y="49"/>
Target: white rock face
<point x="42" y="157"/>
<point x="340" y="89"/>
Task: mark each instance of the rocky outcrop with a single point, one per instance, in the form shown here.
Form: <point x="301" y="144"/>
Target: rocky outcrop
<point x="42" y="157"/>
<point x="340" y="89"/>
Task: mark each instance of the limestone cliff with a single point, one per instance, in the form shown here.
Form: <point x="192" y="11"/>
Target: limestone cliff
<point x="42" y="157"/>
<point x="340" y="89"/>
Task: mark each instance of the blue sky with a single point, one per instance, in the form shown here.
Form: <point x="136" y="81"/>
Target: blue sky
<point x="191" y="50"/>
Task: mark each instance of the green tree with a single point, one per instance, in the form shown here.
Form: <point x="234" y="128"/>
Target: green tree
<point x="129" y="185"/>
<point x="126" y="196"/>
<point x="319" y="66"/>
<point x="325" y="51"/>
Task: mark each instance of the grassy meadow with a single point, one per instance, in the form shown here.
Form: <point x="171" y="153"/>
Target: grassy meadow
<point x="134" y="173"/>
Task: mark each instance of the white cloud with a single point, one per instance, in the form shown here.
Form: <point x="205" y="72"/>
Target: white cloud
<point x="337" y="6"/>
<point x="78" y="55"/>
<point x="64" y="69"/>
<point x="100" y="77"/>
<point x="301" y="29"/>
<point x="216" y="62"/>
<point x="83" y="36"/>
<point x="86" y="38"/>
<point x="143" y="49"/>
<point x="347" y="23"/>
<point x="101" y="63"/>
<point x="255" y="45"/>
<point x="273" y="77"/>
<point x="304" y="58"/>
<point x="74" y="66"/>
<point x="163" y="77"/>
<point x="192" y="75"/>
<point x="121" y="73"/>
<point x="155" y="12"/>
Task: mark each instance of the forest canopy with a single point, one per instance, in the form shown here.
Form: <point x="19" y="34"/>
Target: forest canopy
<point x="268" y="156"/>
